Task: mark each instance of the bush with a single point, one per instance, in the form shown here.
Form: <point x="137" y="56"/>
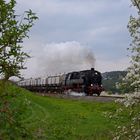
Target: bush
<point x="12" y="106"/>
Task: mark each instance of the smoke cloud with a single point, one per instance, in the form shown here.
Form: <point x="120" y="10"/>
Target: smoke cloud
<point x="56" y="58"/>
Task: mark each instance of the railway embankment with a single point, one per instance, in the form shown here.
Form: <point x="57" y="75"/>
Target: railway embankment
<point x="81" y="96"/>
<point x="58" y="116"/>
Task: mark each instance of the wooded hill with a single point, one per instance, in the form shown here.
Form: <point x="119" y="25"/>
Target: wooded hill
<point x="111" y="78"/>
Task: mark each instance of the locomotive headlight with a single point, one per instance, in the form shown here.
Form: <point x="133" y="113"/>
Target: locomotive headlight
<point x="91" y="85"/>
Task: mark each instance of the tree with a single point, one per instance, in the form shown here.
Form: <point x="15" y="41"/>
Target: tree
<point x="131" y="102"/>
<point x="13" y="29"/>
<point x="132" y="79"/>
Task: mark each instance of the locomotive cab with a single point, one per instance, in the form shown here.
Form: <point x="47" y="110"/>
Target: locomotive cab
<point x="73" y="82"/>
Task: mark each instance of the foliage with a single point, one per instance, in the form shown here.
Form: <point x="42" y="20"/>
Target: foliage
<point x="13" y="29"/>
<point x="132" y="79"/>
<point x="11" y="113"/>
<point x="131" y="103"/>
<point x="111" y="78"/>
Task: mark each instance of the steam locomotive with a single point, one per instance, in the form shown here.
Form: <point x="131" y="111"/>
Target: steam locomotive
<point x="87" y="81"/>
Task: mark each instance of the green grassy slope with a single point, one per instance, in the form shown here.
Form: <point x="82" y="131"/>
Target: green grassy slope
<point x="63" y="119"/>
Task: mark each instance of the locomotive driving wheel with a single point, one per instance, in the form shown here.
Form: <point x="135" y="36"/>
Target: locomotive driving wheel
<point x="98" y="93"/>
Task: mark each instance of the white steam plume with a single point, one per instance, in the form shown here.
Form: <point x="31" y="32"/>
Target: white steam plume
<point x="55" y="58"/>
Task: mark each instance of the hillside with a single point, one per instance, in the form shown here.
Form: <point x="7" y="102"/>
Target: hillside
<point x="53" y="119"/>
<point x="111" y="78"/>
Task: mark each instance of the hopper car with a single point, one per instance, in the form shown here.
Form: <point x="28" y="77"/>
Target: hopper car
<point x="87" y="81"/>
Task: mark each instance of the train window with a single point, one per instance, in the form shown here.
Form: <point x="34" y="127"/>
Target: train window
<point x="71" y="76"/>
<point x="75" y="75"/>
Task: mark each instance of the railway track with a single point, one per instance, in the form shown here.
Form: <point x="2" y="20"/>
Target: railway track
<point x="102" y="98"/>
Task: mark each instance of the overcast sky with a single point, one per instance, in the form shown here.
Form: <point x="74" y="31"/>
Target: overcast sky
<point x="97" y="28"/>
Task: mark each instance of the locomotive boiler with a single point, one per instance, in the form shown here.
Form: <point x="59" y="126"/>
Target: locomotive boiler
<point x="87" y="81"/>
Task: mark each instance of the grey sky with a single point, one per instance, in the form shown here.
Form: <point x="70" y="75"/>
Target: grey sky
<point x="99" y="25"/>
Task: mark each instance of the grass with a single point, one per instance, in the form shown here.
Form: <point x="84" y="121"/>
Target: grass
<point x="50" y="118"/>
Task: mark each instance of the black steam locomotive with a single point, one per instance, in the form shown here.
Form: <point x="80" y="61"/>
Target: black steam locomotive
<point x="87" y="81"/>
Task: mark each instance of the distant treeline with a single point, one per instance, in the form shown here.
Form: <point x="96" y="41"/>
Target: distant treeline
<point x="111" y="78"/>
